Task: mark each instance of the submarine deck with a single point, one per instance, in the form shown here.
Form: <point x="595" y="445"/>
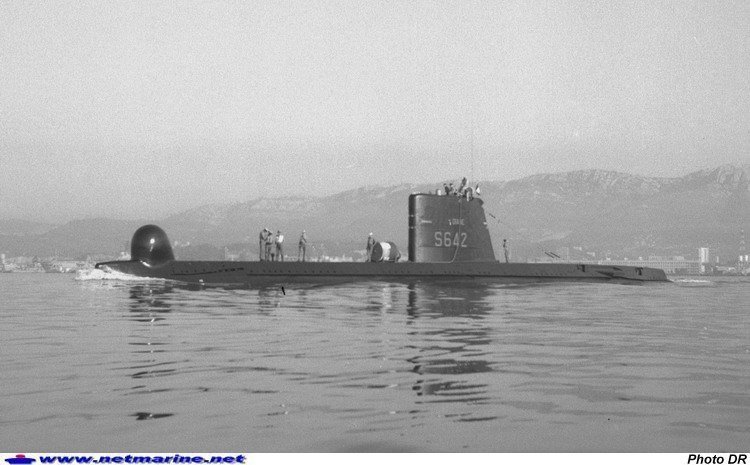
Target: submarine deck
<point x="223" y="272"/>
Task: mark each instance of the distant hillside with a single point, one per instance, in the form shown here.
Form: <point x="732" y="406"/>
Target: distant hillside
<point x="595" y="210"/>
<point x="76" y="239"/>
<point x="628" y="215"/>
<point x="15" y="227"/>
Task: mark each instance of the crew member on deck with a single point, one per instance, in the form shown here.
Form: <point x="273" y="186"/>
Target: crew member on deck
<point x="302" y="246"/>
<point x="506" y="251"/>
<point x="269" y="244"/>
<point x="262" y="243"/>
<point x="370" y="245"/>
<point x="279" y="248"/>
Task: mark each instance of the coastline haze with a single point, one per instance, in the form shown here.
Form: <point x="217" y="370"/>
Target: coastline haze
<point x="143" y="110"/>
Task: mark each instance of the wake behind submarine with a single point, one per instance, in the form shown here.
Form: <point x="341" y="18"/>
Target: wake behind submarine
<point x="448" y="239"/>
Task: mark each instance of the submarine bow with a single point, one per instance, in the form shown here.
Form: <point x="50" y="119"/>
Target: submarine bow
<point x="150" y="245"/>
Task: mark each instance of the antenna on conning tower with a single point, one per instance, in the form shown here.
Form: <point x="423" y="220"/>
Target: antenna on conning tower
<point x="471" y="149"/>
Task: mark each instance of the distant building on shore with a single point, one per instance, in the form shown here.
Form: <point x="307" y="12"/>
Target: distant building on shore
<point x="703" y="258"/>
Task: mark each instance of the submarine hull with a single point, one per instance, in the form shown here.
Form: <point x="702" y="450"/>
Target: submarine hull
<point x="448" y="239"/>
<point x="281" y="273"/>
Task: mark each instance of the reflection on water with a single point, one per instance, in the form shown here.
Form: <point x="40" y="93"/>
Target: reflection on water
<point x="452" y="350"/>
<point x="149" y="306"/>
<point x="440" y="358"/>
<point x="496" y="349"/>
<point x="147" y="301"/>
<point x="376" y="366"/>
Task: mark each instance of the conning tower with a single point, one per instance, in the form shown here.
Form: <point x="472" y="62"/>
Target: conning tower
<point x="448" y="228"/>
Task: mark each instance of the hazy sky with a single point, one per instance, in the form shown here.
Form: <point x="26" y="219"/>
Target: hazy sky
<point x="137" y="108"/>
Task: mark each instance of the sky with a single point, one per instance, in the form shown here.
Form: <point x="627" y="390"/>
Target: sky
<point x="141" y="109"/>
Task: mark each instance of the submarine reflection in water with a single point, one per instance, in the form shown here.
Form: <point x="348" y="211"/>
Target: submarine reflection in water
<point x="444" y="357"/>
<point x="149" y="307"/>
<point x="453" y="350"/>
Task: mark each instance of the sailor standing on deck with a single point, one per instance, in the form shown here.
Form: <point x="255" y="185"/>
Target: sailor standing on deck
<point x="279" y="249"/>
<point x="302" y="246"/>
<point x="506" y="251"/>
<point x="269" y="243"/>
<point x="370" y="245"/>
<point x="262" y="243"/>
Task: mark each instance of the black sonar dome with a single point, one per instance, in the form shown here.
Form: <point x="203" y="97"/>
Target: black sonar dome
<point x="151" y="246"/>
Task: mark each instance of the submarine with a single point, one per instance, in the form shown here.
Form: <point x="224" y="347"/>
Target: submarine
<point x="448" y="239"/>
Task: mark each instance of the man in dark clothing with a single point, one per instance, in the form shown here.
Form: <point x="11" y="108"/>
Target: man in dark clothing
<point x="269" y="244"/>
<point x="461" y="187"/>
<point x="302" y="246"/>
<point x="262" y="243"/>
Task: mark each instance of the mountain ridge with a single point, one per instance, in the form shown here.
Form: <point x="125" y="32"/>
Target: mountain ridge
<point x="593" y="209"/>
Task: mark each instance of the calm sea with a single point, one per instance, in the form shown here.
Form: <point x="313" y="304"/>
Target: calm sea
<point x="109" y="365"/>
